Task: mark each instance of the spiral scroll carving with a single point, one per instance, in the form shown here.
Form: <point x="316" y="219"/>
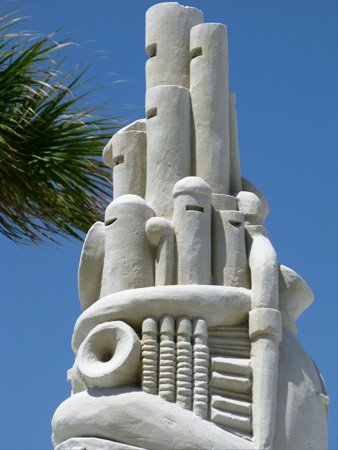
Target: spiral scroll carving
<point x="109" y="356"/>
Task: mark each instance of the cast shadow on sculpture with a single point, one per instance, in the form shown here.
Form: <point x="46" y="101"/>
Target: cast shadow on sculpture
<point x="186" y="340"/>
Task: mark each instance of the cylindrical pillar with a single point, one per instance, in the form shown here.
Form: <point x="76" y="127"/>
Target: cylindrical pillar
<point x="265" y="334"/>
<point x="167" y="43"/>
<point x="129" y="163"/>
<point x="168" y="144"/>
<point x="126" y="154"/>
<point x="161" y="235"/>
<point x="210" y="104"/>
<point x="128" y="260"/>
<point x="264" y="268"/>
<point x="229" y="258"/>
<point x="192" y="222"/>
<point x="235" y="169"/>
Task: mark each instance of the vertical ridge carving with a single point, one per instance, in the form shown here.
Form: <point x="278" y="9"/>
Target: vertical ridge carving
<point x="184" y="363"/>
<point x="150" y="356"/>
<point x="166" y="388"/>
<point x="201" y="369"/>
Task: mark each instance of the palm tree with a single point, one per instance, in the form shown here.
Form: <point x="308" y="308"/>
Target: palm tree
<point x="51" y="181"/>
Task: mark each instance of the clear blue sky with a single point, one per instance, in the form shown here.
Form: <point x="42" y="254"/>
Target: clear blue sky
<point x="283" y="69"/>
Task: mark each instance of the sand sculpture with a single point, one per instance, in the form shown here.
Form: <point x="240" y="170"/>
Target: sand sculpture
<point x="187" y="336"/>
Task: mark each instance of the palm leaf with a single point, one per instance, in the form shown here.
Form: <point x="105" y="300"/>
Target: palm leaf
<point x="51" y="182"/>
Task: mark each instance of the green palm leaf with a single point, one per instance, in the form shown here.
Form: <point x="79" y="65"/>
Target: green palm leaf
<point x="51" y="182"/>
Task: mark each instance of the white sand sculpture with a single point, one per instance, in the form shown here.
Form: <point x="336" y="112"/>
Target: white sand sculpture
<point x="187" y="336"/>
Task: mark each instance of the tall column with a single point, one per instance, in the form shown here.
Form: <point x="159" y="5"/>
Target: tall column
<point x="192" y="222"/>
<point x="167" y="43"/>
<point x="168" y="144"/>
<point x="265" y="333"/>
<point x="210" y="104"/>
<point x="235" y="170"/>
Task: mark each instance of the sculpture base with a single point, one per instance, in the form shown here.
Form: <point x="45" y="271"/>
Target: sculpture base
<point x="128" y="419"/>
<point x="87" y="443"/>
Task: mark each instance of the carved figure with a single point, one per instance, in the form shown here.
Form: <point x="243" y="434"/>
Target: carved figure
<point x="126" y="154"/>
<point x="187" y="336"/>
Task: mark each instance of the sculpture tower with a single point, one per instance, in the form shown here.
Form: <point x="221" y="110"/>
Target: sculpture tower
<point x="187" y="336"/>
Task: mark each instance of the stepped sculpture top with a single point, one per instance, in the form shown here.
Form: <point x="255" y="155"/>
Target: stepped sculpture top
<point x="187" y="335"/>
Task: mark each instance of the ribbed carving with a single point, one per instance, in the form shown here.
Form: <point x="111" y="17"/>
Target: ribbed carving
<point x="201" y="368"/>
<point x="150" y="356"/>
<point x="231" y="379"/>
<point x="184" y="363"/>
<point x="229" y="341"/>
<point x="167" y="364"/>
<point x="177" y="368"/>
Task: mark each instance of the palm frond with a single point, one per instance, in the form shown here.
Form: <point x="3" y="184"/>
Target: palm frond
<point x="51" y="181"/>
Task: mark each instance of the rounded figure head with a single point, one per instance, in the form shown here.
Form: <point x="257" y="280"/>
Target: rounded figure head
<point x="128" y="260"/>
<point x="254" y="209"/>
<point x="192" y="186"/>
